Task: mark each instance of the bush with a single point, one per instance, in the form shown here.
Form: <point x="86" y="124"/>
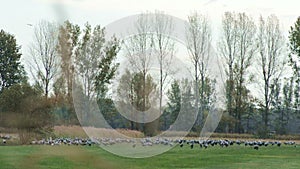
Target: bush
<point x="25" y="109"/>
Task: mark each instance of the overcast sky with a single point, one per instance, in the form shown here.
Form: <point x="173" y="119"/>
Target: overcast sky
<point x="17" y="15"/>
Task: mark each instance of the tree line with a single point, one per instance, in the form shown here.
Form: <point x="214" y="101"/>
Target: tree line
<point x="66" y="55"/>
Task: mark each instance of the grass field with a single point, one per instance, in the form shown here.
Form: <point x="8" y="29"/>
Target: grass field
<point x="69" y="157"/>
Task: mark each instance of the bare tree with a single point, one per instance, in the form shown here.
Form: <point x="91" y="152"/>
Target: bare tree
<point x="270" y="43"/>
<point x="246" y="30"/>
<point x="228" y="49"/>
<point x="44" y="55"/>
<point x="164" y="48"/>
<point x="198" y="35"/>
<point x="139" y="47"/>
<point x="139" y="53"/>
<point x="237" y="48"/>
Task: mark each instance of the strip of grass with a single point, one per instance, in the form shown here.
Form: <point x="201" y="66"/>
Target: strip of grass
<point x="217" y="157"/>
<point x="65" y="157"/>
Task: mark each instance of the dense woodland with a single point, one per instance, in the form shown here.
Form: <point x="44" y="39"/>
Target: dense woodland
<point x="63" y="56"/>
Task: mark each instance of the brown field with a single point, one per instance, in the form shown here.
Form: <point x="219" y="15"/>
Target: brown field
<point x="78" y="131"/>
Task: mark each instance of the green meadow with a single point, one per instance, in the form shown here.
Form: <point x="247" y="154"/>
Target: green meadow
<point x="79" y="157"/>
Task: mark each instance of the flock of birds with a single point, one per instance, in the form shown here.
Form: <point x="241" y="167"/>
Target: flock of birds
<point x="157" y="141"/>
<point x="64" y="141"/>
<point x="226" y="143"/>
<point x="5" y="138"/>
<point x="162" y="141"/>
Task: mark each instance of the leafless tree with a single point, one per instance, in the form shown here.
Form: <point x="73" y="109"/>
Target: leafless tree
<point x="198" y="35"/>
<point x="139" y="52"/>
<point x="139" y="47"/>
<point x="270" y="59"/>
<point x="246" y="30"/>
<point x="44" y="55"/>
<point x="164" y="48"/>
<point x="247" y="49"/>
<point x="237" y="49"/>
<point x="228" y="49"/>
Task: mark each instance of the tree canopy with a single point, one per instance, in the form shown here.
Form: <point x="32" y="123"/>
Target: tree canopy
<point x="11" y="70"/>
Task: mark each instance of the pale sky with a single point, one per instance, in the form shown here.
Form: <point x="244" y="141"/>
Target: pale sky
<point x="15" y="15"/>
